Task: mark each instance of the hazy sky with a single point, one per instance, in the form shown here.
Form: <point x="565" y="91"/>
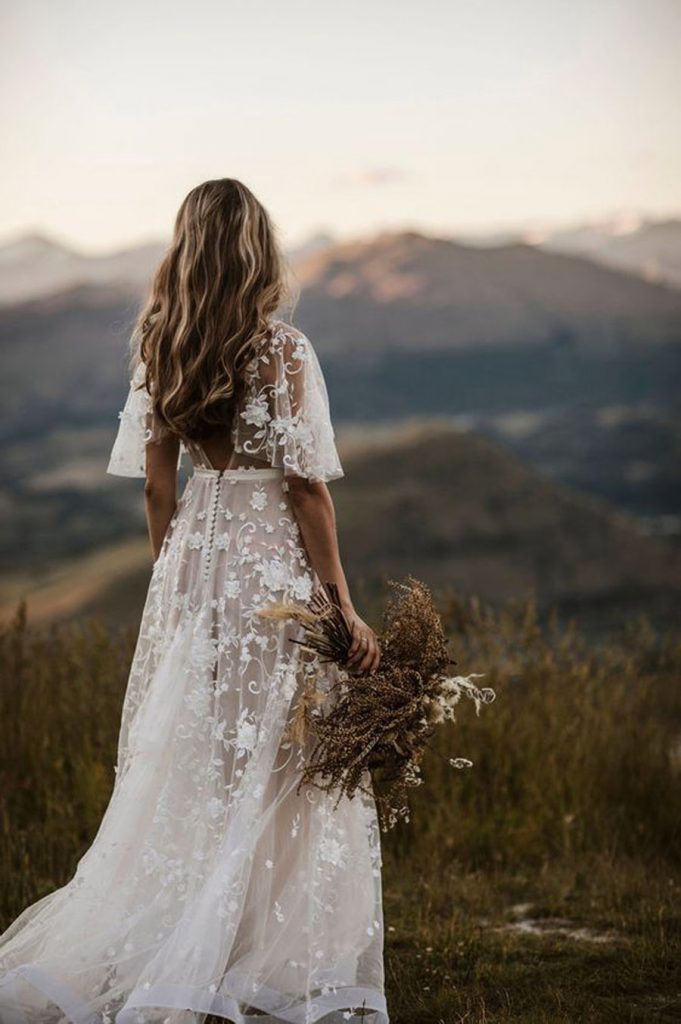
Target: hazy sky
<point x="450" y="115"/>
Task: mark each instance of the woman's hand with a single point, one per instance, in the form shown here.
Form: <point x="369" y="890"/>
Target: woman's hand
<point x="364" y="654"/>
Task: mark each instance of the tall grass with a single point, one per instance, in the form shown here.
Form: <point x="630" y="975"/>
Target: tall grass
<point x="61" y="691"/>
<point x="573" y="805"/>
<point x="580" y="753"/>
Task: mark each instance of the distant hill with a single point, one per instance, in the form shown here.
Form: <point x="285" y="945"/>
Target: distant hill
<point x="414" y="325"/>
<point x="462" y="512"/>
<point x="408" y="292"/>
<point x="33" y="266"/>
<point x="405" y="325"/>
<point x="64" y="359"/>
<point x="36" y="265"/>
<point x="630" y="455"/>
<point x="650" y="249"/>
<point x="452" y="508"/>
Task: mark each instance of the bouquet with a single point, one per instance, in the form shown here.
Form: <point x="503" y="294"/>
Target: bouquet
<point x="378" y="725"/>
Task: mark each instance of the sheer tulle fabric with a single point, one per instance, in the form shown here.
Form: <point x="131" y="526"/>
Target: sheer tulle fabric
<point x="282" y="418"/>
<point x="215" y="885"/>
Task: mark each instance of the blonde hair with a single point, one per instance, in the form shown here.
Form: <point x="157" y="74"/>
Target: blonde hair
<point x="210" y="303"/>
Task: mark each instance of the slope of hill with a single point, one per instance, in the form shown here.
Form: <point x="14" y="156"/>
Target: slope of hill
<point x="651" y="249"/>
<point x="463" y="512"/>
<point x="630" y="455"/>
<point x="64" y="358"/>
<point x="34" y="266"/>
<point x="406" y="324"/>
<point x="449" y="507"/>
<point x="408" y="292"/>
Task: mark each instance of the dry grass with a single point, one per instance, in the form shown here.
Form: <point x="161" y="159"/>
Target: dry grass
<point x="572" y="809"/>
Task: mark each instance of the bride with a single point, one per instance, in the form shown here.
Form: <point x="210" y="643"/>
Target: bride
<point x="215" y="884"/>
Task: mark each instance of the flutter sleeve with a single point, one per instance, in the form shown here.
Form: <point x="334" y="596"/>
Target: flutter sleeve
<point x="138" y="426"/>
<point x="284" y="418"/>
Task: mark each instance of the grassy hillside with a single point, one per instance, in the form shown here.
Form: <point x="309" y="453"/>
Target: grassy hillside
<point x="64" y="360"/>
<point x="458" y="510"/>
<point x="629" y="456"/>
<point x="542" y="886"/>
<point x="451" y="507"/>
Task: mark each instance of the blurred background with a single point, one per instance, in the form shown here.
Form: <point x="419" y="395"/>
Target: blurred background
<point x="482" y="209"/>
<point x="481" y="205"/>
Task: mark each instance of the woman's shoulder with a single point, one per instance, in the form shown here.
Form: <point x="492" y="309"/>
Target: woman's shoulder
<point x="283" y="342"/>
<point x="283" y="332"/>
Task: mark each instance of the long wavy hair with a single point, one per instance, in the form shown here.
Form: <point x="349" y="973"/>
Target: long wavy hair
<point x="210" y="303"/>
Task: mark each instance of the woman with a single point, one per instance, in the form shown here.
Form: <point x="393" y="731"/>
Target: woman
<point x="214" y="884"/>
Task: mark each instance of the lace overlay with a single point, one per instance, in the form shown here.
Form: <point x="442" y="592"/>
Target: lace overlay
<point x="282" y="418"/>
<point x="214" y="885"/>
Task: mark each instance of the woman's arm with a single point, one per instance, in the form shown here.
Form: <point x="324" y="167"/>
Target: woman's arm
<point x="316" y="517"/>
<point x="160" y="488"/>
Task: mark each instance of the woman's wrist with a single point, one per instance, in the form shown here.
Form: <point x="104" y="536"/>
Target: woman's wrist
<point x="344" y="599"/>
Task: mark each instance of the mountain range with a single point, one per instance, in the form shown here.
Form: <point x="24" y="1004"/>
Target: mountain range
<point x="403" y="323"/>
<point x="572" y="366"/>
<point x="410" y="292"/>
<point x="34" y="264"/>
<point x="649" y="248"/>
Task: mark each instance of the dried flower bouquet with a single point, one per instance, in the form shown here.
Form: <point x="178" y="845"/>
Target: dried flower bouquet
<point x="378" y="725"/>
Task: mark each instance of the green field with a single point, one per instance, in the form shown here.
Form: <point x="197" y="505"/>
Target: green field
<point x="542" y="885"/>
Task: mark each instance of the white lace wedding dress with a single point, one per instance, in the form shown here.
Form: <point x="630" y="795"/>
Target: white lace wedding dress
<point x="213" y="885"/>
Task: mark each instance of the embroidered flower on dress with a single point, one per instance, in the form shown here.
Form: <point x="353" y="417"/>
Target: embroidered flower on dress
<point x="219" y="731"/>
<point x="256" y="413"/>
<point x="302" y="587"/>
<point x="246" y="733"/>
<point x="258" y="500"/>
<point x="333" y="852"/>
<point x="274" y="574"/>
<point x="198" y="701"/>
<point x="204" y="652"/>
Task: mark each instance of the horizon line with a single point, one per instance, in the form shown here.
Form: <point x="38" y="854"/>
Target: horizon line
<point x="622" y="222"/>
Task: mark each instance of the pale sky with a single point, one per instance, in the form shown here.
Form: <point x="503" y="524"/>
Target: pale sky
<point x="352" y="116"/>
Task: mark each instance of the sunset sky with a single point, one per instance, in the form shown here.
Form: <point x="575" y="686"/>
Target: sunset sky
<point x="445" y="115"/>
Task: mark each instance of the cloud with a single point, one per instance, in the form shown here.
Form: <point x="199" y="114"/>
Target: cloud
<point x="373" y="176"/>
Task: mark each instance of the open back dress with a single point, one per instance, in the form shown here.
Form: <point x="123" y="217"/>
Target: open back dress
<point x="215" y="885"/>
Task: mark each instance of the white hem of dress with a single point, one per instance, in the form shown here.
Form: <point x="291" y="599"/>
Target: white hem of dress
<point x="182" y="997"/>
